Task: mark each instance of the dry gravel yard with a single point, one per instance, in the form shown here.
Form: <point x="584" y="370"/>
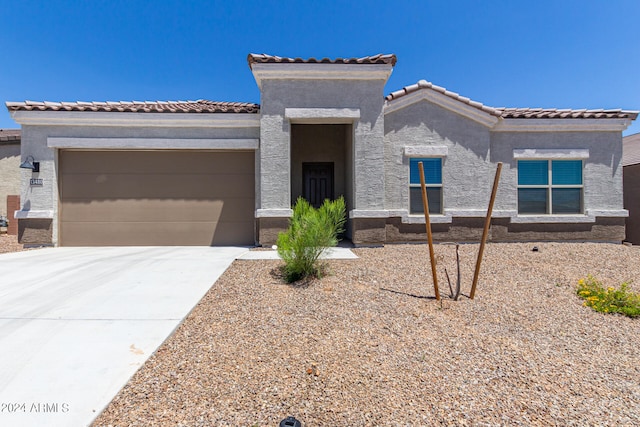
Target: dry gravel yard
<point x="9" y="244"/>
<point x="363" y="346"/>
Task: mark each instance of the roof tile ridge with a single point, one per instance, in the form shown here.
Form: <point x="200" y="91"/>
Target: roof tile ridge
<point x="424" y="84"/>
<point x="379" y="58"/>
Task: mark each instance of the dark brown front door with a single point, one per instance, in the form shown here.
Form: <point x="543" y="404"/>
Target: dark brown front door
<point x="317" y="182"/>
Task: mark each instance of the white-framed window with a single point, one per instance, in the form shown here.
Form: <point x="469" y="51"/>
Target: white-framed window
<point x="433" y="180"/>
<point x="550" y="187"/>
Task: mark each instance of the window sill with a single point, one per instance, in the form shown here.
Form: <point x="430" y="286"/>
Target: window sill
<point x="33" y="214"/>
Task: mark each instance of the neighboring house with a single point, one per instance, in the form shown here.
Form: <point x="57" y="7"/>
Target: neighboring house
<point x="219" y="173"/>
<point x="9" y="167"/>
<point x="631" y="180"/>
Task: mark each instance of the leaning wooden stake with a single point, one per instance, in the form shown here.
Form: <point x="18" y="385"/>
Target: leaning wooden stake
<point x="487" y="223"/>
<point x="425" y="205"/>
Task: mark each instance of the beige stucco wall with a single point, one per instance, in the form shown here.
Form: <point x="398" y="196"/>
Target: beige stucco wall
<point x="9" y="172"/>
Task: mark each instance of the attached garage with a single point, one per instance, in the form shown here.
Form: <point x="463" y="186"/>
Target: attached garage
<point x="156" y="198"/>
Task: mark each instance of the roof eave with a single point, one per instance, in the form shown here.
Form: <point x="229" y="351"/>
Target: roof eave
<point x="562" y="125"/>
<point x="298" y="71"/>
<point x="135" y="119"/>
<point x="165" y="107"/>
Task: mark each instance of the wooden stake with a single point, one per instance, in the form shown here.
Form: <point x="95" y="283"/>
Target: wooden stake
<point x="487" y="223"/>
<point x="425" y="205"/>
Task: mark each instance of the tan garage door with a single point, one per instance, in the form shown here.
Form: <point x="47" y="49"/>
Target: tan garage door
<point x="163" y="198"/>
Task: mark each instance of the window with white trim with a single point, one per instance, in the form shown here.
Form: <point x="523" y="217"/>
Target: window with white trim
<point x="550" y="187"/>
<point x="433" y="179"/>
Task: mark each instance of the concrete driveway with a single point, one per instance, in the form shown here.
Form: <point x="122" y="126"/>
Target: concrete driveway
<point x="76" y="323"/>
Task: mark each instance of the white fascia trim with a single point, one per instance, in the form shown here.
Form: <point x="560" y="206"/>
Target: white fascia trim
<point x="562" y="125"/>
<point x="322" y="115"/>
<point x="320" y="72"/>
<point x="91" y="118"/>
<point x="426" y="150"/>
<point x="274" y="213"/>
<point x="32" y="214"/>
<point x="551" y="153"/>
<point x="443" y="101"/>
<point x="369" y="213"/>
<point x="153" y="143"/>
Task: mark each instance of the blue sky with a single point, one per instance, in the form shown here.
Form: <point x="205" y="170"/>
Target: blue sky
<point x="554" y="54"/>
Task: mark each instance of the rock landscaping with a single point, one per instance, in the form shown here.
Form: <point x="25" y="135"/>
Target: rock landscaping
<point x="9" y="243"/>
<point x="367" y="345"/>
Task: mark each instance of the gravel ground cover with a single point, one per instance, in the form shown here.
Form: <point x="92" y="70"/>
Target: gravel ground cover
<point x="9" y="244"/>
<point x="368" y="345"/>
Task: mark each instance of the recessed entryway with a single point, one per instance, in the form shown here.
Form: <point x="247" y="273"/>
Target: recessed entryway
<point x="321" y="162"/>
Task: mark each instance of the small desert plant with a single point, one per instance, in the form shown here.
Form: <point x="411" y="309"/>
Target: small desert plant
<point x="608" y="300"/>
<point x="310" y="232"/>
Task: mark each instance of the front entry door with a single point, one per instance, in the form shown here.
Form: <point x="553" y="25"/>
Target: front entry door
<point x="317" y="182"/>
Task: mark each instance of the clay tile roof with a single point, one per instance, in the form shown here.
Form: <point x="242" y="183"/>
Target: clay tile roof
<point x="554" y="113"/>
<point x="423" y="84"/>
<point x="631" y="150"/>
<point x="263" y="58"/>
<point x="10" y="135"/>
<point x="199" y="106"/>
<point x="517" y="113"/>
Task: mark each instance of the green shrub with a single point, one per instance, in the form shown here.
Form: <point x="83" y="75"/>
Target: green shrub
<point x="609" y="300"/>
<point x="310" y="232"/>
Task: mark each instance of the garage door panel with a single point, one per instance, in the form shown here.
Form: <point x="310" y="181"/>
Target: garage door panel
<point x="173" y="198"/>
<point x="156" y="186"/>
<point x="150" y="162"/>
<point x="158" y="234"/>
<point x="229" y="209"/>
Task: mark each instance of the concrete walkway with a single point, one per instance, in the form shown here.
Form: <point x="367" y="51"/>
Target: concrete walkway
<point x="329" y="253"/>
<point x="76" y="323"/>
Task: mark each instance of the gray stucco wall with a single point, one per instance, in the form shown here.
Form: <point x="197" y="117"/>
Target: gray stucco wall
<point x="466" y="168"/>
<point x="34" y="142"/>
<point x="602" y="170"/>
<point x="474" y="151"/>
<point x="275" y="133"/>
<point x="9" y="172"/>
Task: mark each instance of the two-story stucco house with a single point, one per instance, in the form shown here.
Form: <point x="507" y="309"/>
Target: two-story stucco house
<point x="221" y="173"/>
